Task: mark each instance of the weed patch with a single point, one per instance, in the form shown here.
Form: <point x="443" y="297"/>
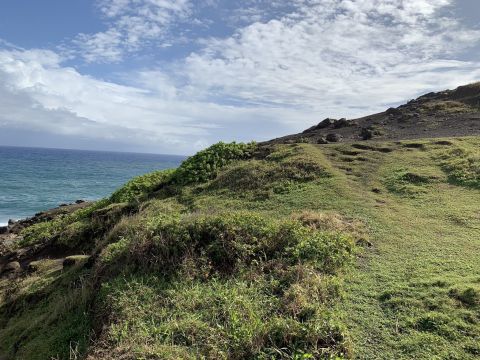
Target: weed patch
<point x="404" y="182"/>
<point x="462" y="166"/>
<point x="281" y="171"/>
<point x="232" y="285"/>
<point x="141" y="186"/>
<point x="204" y="165"/>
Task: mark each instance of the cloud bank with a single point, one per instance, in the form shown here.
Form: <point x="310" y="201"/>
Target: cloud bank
<point x="282" y="67"/>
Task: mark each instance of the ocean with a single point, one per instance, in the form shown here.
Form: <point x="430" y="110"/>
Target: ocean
<point x="34" y="179"/>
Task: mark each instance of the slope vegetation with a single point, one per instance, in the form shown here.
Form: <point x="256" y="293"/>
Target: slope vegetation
<point x="295" y="251"/>
<point x="282" y="250"/>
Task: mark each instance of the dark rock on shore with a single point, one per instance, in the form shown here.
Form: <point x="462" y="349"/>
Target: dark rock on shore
<point x="11" y="234"/>
<point x="13" y="266"/>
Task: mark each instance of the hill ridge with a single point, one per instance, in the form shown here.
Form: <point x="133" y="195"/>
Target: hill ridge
<point x="448" y="113"/>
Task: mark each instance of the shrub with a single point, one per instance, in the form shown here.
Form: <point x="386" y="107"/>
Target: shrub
<point x="62" y="227"/>
<point x="75" y="234"/>
<point x="219" y="318"/>
<point x="115" y="250"/>
<point x="333" y="222"/>
<point x="327" y="251"/>
<point x="141" y="186"/>
<point x="232" y="241"/>
<point x="448" y="107"/>
<point x="203" y="166"/>
<point x="40" y="232"/>
<point x="405" y="182"/>
<point x="470" y="296"/>
<point x="281" y="171"/>
<point x="462" y="166"/>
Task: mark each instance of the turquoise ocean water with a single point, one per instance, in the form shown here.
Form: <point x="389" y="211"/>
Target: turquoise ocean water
<point x="33" y="179"/>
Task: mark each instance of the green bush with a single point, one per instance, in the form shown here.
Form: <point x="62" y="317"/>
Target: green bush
<point x="286" y="168"/>
<point x="141" y="185"/>
<point x="114" y="251"/>
<point x="328" y="251"/>
<point x="41" y="232"/>
<point x="470" y="296"/>
<point x="462" y="166"/>
<point x="66" y="229"/>
<point x="204" y="165"/>
<point x="405" y="182"/>
<point x="75" y="234"/>
<point x="228" y="242"/>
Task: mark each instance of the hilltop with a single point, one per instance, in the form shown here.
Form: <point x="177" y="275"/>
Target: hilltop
<point x="299" y="248"/>
<point x="449" y="113"/>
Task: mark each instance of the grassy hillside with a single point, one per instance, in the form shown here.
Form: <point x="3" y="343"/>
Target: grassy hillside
<point x="364" y="250"/>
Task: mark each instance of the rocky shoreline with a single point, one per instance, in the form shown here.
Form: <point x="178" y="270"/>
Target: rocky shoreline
<point x="15" y="226"/>
<point x="11" y="258"/>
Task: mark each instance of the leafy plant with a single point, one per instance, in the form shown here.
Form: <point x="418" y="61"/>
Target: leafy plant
<point x="462" y="166"/>
<point x="204" y="165"/>
<point x="141" y="185"/>
<point x="405" y="182"/>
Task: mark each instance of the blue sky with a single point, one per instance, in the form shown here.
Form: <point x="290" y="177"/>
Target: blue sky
<point x="173" y="76"/>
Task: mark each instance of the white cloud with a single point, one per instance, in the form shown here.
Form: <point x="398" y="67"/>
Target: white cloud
<point x="131" y="25"/>
<point x="38" y="93"/>
<point x="306" y="60"/>
<point x="333" y="55"/>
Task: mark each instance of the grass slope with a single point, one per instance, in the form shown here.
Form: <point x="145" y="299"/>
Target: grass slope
<point x="366" y="250"/>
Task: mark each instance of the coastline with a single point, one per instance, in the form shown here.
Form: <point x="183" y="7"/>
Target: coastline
<point x="35" y="179"/>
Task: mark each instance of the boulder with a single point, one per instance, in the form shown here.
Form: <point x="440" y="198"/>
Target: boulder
<point x="79" y="201"/>
<point x="370" y="131"/>
<point x="322" y="140"/>
<point x="363" y="243"/>
<point x="77" y="260"/>
<point x="3" y="230"/>
<point x="13" y="266"/>
<point x="341" y="123"/>
<point x="321" y="125"/>
<point x="32" y="267"/>
<point x="333" y="137"/>
<point x="366" y="133"/>
<point x="68" y="262"/>
<point x="325" y="123"/>
<point x="393" y="111"/>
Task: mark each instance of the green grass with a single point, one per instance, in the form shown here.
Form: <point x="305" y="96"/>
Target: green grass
<point x="446" y="107"/>
<point x="259" y="286"/>
<point x="43" y="316"/>
<point x="404" y="298"/>
<point x="246" y="252"/>
<point x="140" y="186"/>
<point x="462" y="164"/>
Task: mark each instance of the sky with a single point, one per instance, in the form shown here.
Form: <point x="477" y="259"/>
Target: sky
<point x="174" y="76"/>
